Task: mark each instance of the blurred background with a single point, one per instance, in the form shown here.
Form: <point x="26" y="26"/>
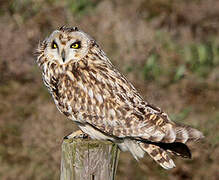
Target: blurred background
<point x="168" y="49"/>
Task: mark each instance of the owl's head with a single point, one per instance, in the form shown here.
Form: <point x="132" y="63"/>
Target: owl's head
<point x="66" y="44"/>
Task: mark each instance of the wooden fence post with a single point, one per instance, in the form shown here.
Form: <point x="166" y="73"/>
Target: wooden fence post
<point x="86" y="159"/>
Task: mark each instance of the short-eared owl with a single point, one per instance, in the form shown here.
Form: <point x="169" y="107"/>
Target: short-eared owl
<point x="88" y="89"/>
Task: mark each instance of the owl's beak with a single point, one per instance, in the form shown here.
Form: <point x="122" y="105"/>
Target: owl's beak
<point x="63" y="55"/>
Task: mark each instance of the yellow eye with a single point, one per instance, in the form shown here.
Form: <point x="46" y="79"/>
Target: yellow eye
<point x="54" y="45"/>
<point x="76" y="45"/>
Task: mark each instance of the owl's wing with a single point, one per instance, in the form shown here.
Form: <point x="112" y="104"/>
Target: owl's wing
<point x="116" y="108"/>
<point x="124" y="121"/>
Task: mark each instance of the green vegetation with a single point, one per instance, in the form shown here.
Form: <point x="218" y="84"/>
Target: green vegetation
<point x="180" y="117"/>
<point x="81" y="7"/>
<point x="197" y="58"/>
<point x="151" y="69"/>
<point x="202" y="58"/>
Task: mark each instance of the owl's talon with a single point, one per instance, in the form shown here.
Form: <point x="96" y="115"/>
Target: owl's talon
<point x="77" y="134"/>
<point x="65" y="137"/>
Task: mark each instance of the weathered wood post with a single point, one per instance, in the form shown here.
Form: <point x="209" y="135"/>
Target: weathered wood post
<point x="86" y="159"/>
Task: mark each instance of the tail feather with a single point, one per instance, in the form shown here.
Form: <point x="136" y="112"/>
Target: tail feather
<point x="179" y="133"/>
<point x="186" y="133"/>
<point x="172" y="142"/>
<point x="175" y="148"/>
<point x="161" y="129"/>
<point x="159" y="155"/>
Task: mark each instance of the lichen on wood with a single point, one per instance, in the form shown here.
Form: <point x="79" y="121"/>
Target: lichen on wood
<point x="86" y="159"/>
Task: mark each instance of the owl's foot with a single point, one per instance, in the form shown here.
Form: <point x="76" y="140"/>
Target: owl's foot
<point x="77" y="134"/>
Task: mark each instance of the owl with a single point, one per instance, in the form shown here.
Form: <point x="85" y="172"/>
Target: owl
<point x="89" y="90"/>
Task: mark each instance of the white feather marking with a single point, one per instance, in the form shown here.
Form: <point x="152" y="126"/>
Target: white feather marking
<point x="112" y="123"/>
<point x="134" y="148"/>
<point x="171" y="135"/>
<point x="141" y="125"/>
<point x="70" y="75"/>
<point x="185" y="135"/>
<point x="123" y="147"/>
<point x="99" y="98"/>
<point x="158" y="135"/>
<point x="112" y="112"/>
<point x="44" y="69"/>
<point x="98" y="110"/>
<point x="98" y="77"/>
<point x="90" y="93"/>
<point x="149" y="130"/>
<point x="73" y="118"/>
<point x="80" y="118"/>
<point x="82" y="86"/>
<point x="168" y="165"/>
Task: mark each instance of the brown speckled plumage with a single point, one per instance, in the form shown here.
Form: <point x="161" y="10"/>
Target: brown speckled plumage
<point x="88" y="89"/>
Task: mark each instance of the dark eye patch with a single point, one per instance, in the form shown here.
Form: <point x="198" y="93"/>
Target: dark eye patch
<point x="54" y="45"/>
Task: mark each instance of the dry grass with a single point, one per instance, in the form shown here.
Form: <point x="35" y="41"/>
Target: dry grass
<point x="168" y="49"/>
